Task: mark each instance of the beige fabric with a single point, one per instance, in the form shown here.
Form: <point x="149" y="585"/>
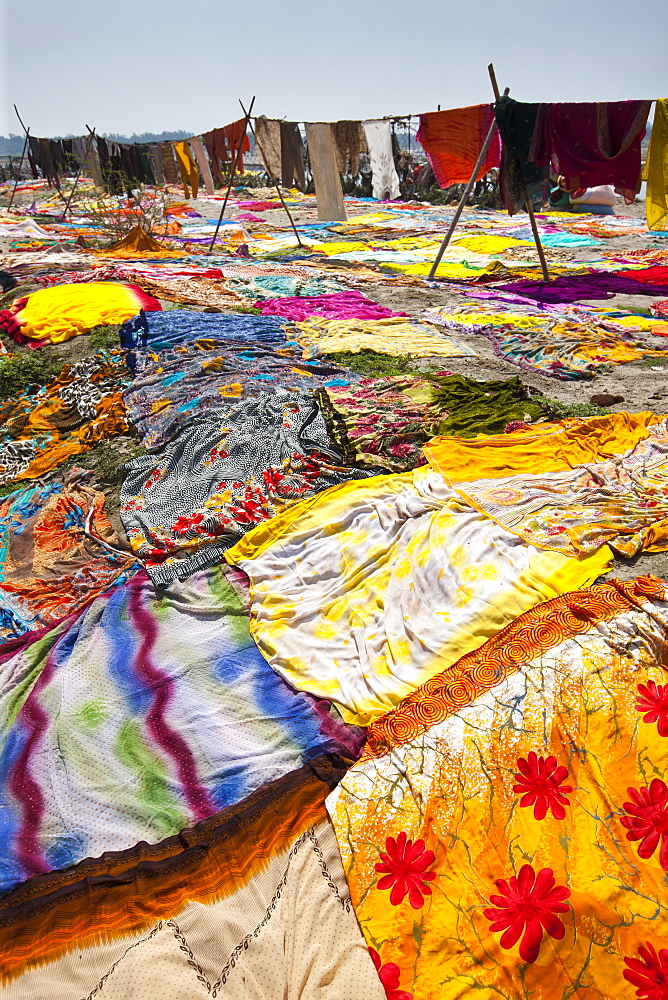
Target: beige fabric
<point x="197" y="147"/>
<point x="268" y="138"/>
<point x="290" y="934"/>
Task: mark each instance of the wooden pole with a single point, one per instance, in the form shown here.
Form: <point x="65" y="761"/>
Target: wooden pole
<point x="464" y="198"/>
<point x="18" y="176"/>
<point x="234" y="170"/>
<point x="273" y="179"/>
<point x="81" y="165"/>
<point x="529" y="206"/>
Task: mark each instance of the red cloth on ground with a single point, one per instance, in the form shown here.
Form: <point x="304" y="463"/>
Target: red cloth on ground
<point x="654" y="275"/>
<point x="453" y="140"/>
<point x="591" y="144"/>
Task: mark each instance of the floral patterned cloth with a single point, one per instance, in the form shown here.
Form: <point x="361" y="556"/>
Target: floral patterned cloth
<point x="232" y="466"/>
<point x="49" y="566"/>
<point x="81" y="407"/>
<point x="505" y="831"/>
<point x="385" y="421"/>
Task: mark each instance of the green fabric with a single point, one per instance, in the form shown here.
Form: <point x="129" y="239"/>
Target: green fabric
<point x="482" y="407"/>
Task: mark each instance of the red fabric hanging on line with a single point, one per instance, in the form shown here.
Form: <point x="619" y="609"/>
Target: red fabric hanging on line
<point x="453" y="140"/>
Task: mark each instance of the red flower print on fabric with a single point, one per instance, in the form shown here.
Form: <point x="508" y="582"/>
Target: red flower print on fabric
<point x="648" y="820"/>
<point x="653" y="703"/>
<point x="540" y="785"/>
<point x="389" y="978"/>
<point x="649" y="973"/>
<point x="527" y="905"/>
<point x="405" y="866"/>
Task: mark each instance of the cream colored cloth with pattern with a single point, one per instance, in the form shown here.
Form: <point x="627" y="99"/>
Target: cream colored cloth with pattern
<point x="395" y="335"/>
<point x="290" y="934"/>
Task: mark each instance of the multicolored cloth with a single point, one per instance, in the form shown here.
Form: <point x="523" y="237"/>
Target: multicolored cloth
<point x="82" y="406"/>
<point x="168" y="690"/>
<point x="601" y="285"/>
<point x="504" y="833"/>
<point x="173" y="387"/>
<point x="453" y="141"/>
<point x="340" y="305"/>
<point x="384" y="422"/>
<point x="51" y="561"/>
<point x="547" y="343"/>
<point x="364" y="593"/>
<point x="395" y="336"/>
<point x="62" y="311"/>
<point x="232" y="466"/>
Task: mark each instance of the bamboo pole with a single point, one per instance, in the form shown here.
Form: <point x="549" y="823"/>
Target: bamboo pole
<point x="529" y="206"/>
<point x="232" y="175"/>
<point x="81" y="165"/>
<point x="273" y="179"/>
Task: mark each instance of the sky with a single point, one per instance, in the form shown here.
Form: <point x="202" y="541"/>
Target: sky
<point x="150" y="65"/>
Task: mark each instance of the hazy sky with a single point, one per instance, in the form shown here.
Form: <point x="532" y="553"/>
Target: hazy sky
<point x="149" y="65"/>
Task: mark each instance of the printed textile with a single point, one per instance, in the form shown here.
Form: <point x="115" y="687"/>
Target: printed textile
<point x="227" y="909"/>
<point x="590" y="144"/>
<point x="385" y="422"/>
<point x="549" y="344"/>
<point x="82" y="406"/>
<point x="172" y="388"/>
<point x="159" y="331"/>
<point x="519" y="177"/>
<point x="170" y="692"/>
<point x="349" y="142"/>
<point x="339" y="305"/>
<point x="395" y="335"/>
<point x="51" y="562"/>
<point x="620" y="502"/>
<point x="63" y="311"/>
<point x="453" y="141"/>
<point x="384" y="177"/>
<point x="504" y="833"/>
<point x="234" y="465"/>
<point x="364" y="593"/>
<point x="656" y="169"/>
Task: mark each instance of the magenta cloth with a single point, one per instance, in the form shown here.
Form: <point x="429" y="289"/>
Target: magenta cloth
<point x="591" y="144"/>
<point x="584" y="286"/>
<point x="339" y="305"/>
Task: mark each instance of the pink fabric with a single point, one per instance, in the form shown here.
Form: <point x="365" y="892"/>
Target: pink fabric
<point x="339" y="305"/>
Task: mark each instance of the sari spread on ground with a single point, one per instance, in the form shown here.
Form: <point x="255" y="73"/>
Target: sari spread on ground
<point x="453" y="141"/>
<point x="504" y="833"/>
<point x="565" y="347"/>
<point x="49" y="566"/>
<point x="173" y="387"/>
<point x="395" y="335"/>
<point x="591" y="144"/>
<point x="620" y="501"/>
<point x="361" y="594"/>
<point x="340" y="305"/>
<point x="251" y="903"/>
<point x="235" y="464"/>
<point x="62" y="311"/>
<point x="571" y="288"/>
<point x="81" y="407"/>
<point x="168" y="690"/>
<point x="384" y="422"/>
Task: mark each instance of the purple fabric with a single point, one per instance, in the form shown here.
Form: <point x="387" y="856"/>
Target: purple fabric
<point x="339" y="305"/>
<point x="584" y="286"/>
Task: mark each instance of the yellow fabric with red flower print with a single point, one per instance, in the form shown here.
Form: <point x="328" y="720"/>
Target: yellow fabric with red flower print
<point x="506" y="832"/>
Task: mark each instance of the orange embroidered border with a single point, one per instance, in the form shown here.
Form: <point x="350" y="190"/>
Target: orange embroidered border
<point x="530" y="635"/>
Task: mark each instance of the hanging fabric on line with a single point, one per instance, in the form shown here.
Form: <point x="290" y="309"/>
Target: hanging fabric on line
<point x="453" y="141"/>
